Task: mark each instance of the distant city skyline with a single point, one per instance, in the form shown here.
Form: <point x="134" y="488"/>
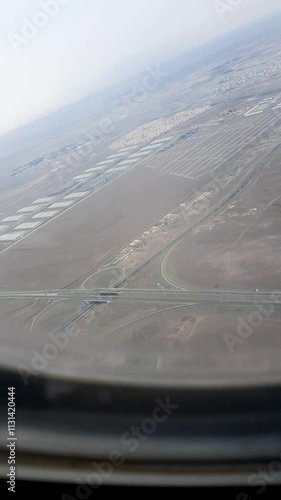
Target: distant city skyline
<point x="53" y="52"/>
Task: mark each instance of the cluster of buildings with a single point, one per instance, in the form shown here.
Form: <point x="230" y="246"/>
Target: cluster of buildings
<point x="249" y="75"/>
<point x="156" y="128"/>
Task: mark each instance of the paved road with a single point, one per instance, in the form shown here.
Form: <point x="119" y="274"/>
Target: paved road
<point x="157" y="296"/>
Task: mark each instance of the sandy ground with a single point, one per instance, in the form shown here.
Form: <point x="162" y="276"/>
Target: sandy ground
<point x="84" y="237"/>
<point x="238" y="249"/>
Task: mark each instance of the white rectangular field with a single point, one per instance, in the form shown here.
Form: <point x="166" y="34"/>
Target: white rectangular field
<point x="140" y="153"/>
<point x="61" y="204"/>
<point x="112" y="157"/>
<point x="45" y="215"/>
<point x="77" y="195"/>
<point x="27" y="209"/>
<point x="152" y="146"/>
<point x="27" y="225"/>
<point x="10" y="237"/>
<point x="13" y="218"/>
<point x="94" y="169"/>
<point x="81" y="177"/>
<point x="43" y="201"/>
<point x="128" y="162"/>
<point x="165" y="139"/>
<point x="107" y="162"/>
<point x="115" y="157"/>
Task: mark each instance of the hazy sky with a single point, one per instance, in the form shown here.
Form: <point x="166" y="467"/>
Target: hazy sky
<point x="52" y="58"/>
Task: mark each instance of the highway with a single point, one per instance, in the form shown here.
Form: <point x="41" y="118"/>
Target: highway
<point x="106" y="295"/>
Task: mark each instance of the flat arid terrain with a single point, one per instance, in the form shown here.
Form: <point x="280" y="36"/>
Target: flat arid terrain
<point x="151" y="250"/>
